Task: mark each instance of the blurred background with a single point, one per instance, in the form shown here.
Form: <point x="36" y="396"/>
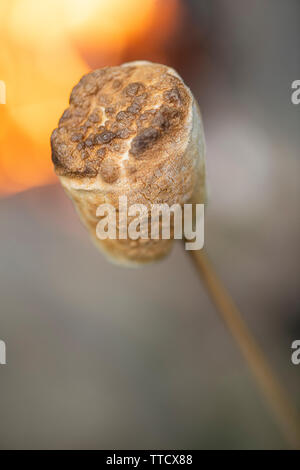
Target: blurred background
<point x="106" y="357"/>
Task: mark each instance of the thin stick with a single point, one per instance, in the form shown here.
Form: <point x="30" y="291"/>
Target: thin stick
<point x="275" y="395"/>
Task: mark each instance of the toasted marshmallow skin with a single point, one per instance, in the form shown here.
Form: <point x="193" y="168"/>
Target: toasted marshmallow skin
<point x="132" y="130"/>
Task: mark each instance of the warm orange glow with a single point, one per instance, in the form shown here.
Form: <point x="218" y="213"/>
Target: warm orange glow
<point x="46" y="46"/>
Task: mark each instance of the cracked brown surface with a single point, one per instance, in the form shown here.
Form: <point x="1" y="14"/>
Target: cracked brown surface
<point x="116" y="114"/>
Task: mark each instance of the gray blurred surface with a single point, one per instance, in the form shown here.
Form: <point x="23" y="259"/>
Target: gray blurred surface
<point x="106" y="357"/>
<point x="101" y="356"/>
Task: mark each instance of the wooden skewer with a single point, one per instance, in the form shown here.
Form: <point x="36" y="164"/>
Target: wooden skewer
<point x="275" y="395"/>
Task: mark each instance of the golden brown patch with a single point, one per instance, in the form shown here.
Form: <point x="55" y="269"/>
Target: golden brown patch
<point x="127" y="110"/>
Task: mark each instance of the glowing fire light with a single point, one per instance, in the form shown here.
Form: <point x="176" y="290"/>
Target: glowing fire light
<point x="46" y="46"/>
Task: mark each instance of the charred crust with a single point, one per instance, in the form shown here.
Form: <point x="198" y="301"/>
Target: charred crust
<point x="89" y="142"/>
<point x="101" y="153"/>
<point x="134" y="88"/>
<point x="124" y="133"/>
<point x="173" y="96"/>
<point x="80" y="146"/>
<point x="105" y="137"/>
<point x="77" y="137"/>
<point x="95" y="116"/>
<point x="134" y="109"/>
<point x="143" y="141"/>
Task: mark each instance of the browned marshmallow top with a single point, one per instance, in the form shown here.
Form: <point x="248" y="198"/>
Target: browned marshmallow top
<point x="119" y="120"/>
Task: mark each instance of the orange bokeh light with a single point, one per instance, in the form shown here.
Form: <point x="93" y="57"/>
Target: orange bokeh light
<point x="46" y="46"/>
